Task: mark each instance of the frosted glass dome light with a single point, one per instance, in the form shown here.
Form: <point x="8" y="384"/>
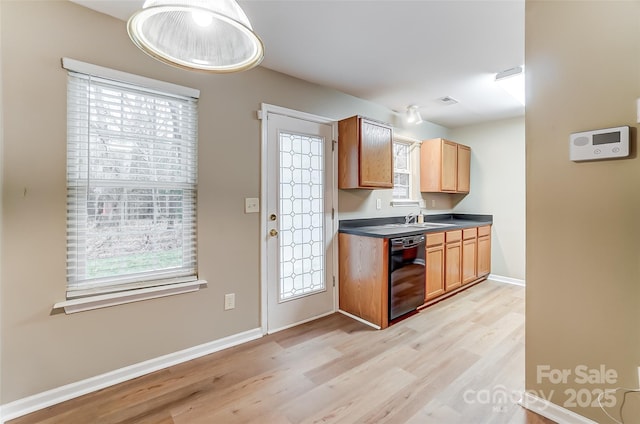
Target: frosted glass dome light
<point x="207" y="35"/>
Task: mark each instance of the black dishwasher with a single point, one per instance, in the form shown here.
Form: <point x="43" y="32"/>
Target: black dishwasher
<point x="406" y="274"/>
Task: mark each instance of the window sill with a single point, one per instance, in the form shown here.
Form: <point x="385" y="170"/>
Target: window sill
<point x="406" y="202"/>
<point x="112" y="299"/>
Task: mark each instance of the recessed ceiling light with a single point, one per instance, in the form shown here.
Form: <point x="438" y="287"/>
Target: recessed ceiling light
<point x="448" y="100"/>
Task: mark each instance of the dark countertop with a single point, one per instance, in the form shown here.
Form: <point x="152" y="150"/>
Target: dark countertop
<point x="379" y="227"/>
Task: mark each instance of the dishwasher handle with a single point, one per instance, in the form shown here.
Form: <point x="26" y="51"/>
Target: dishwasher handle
<point x="406" y="242"/>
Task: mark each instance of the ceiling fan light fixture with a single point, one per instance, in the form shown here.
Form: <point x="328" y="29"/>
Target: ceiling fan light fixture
<point x="206" y="35"/>
<point x="512" y="81"/>
<point x="413" y="115"/>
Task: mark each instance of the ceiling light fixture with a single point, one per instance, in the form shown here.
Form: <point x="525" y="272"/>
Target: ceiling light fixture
<point x="512" y="81"/>
<point x="207" y="35"/>
<point x="413" y="115"/>
<point x="447" y="100"/>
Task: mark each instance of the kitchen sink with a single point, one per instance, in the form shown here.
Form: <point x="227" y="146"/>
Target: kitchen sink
<point x="427" y="225"/>
<point x="431" y="224"/>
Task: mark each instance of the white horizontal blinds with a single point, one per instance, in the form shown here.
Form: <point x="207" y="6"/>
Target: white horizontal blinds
<point x="131" y="178"/>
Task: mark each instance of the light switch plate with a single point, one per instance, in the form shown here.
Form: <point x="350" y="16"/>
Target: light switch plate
<point x="229" y="301"/>
<point x="251" y="205"/>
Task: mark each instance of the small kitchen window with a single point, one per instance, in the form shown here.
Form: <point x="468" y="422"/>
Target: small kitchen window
<point x="401" y="171"/>
<point x="131" y="188"/>
<point x="405" y="172"/>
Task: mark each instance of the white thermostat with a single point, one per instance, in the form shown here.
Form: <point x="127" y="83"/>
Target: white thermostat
<point x="599" y="144"/>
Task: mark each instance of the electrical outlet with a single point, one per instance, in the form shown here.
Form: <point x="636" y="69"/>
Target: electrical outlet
<point x="229" y="301"/>
<point x="433" y="203"/>
<point x="378" y="204"/>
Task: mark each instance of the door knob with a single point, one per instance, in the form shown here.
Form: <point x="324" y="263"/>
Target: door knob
<point x="273" y="232"/>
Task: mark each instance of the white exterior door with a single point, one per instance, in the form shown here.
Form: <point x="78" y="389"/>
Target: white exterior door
<point x="297" y="221"/>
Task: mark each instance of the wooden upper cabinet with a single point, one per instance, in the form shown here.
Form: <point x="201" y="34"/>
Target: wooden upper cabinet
<point x="365" y="154"/>
<point x="444" y="166"/>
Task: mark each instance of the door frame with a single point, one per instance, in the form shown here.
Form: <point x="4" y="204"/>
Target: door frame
<point x="264" y="138"/>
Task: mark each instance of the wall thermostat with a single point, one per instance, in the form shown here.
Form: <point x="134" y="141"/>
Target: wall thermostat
<point x="599" y="144"/>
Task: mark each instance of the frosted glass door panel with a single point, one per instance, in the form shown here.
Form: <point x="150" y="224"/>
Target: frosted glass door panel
<point x="301" y="204"/>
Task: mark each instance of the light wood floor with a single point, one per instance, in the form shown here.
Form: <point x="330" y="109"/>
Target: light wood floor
<point x="448" y="364"/>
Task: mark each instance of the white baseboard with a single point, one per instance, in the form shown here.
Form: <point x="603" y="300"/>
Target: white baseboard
<point x="301" y="322"/>
<point x="42" y="400"/>
<point x="377" y="327"/>
<point x="552" y="411"/>
<point x="508" y="280"/>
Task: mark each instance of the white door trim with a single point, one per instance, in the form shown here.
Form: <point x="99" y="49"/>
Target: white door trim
<point x="262" y="114"/>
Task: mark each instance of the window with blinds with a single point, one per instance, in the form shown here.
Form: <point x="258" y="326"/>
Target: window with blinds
<point x="131" y="184"/>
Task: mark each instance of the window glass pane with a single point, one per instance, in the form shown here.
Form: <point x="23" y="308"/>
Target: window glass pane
<point x="133" y="230"/>
<point x="401" y="179"/>
<point x="402" y="168"/>
<point x="400" y="192"/>
<point x="401" y="156"/>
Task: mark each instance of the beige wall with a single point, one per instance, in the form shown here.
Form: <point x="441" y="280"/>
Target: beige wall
<point x="41" y="351"/>
<point x="498" y="188"/>
<point x="583" y="226"/>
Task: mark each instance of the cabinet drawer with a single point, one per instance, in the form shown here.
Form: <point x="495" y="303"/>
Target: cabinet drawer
<point x="455" y="235"/>
<point x="484" y="231"/>
<point x="435" y="239"/>
<point x="469" y="233"/>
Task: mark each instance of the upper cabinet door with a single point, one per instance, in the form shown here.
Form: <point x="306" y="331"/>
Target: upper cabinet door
<point x="365" y="154"/>
<point x="376" y="155"/>
<point x="449" y="171"/>
<point x="464" y="168"/>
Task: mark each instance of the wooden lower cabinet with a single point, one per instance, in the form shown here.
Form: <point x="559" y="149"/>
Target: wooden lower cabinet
<point x="453" y="260"/>
<point x="469" y="255"/>
<point x="364" y="281"/>
<point x="456" y="258"/>
<point x="434" y="264"/>
<point x="484" y="250"/>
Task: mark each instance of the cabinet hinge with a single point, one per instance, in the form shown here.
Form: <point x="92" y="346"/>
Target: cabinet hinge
<point x="333" y="213"/>
<point x="334" y="281"/>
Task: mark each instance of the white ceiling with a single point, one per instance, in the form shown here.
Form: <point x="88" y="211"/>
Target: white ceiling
<point x="391" y="52"/>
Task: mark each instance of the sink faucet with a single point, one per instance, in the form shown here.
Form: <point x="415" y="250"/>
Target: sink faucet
<point x="410" y="217"/>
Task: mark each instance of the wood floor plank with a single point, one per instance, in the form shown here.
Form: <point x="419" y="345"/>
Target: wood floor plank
<point x="458" y="361"/>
